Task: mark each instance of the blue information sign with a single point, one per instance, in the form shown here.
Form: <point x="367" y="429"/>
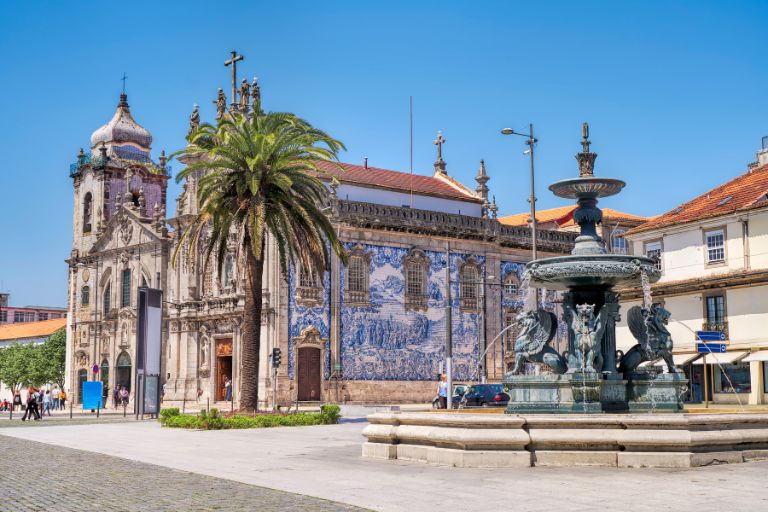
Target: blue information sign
<point x="710" y="348"/>
<point x="710" y="336"/>
<point x="92" y="395"/>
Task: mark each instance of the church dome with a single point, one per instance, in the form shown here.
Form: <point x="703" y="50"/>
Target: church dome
<point x="123" y="130"/>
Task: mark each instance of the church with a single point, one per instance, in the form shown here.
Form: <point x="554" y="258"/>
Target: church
<point x="371" y="331"/>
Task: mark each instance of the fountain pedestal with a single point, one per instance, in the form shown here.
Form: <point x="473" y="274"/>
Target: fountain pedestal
<point x="653" y="391"/>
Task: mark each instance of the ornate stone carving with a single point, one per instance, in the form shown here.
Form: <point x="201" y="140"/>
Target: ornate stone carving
<point x="587" y="330"/>
<point x="532" y="343"/>
<point x="649" y="327"/>
<point x="310" y="336"/>
<point x="126" y="229"/>
<point x="81" y="358"/>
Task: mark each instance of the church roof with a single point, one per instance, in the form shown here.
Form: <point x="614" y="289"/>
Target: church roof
<point x="127" y="138"/>
<point x="26" y="330"/>
<point x="397" y="181"/>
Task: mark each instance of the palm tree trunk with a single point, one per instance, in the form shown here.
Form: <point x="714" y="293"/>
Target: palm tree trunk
<point x="251" y="333"/>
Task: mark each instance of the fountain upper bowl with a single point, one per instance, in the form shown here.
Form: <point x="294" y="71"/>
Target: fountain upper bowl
<point x="599" y="270"/>
<point x="587" y="186"/>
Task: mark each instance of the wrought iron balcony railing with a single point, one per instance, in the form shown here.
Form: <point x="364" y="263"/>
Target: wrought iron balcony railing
<point x="716" y="326"/>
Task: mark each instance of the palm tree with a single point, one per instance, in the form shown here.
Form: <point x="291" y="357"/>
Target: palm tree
<point x="259" y="177"/>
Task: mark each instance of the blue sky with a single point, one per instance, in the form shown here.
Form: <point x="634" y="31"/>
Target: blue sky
<point x="675" y="93"/>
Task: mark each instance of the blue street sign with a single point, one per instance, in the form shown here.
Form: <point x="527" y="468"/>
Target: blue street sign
<point x="710" y="348"/>
<point x="710" y="336"/>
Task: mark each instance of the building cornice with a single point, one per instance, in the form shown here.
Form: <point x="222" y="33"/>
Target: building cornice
<point x="728" y="280"/>
<point x="410" y="220"/>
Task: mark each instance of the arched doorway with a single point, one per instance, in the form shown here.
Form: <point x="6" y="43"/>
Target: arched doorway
<point x="104" y="381"/>
<point x="82" y="376"/>
<point x="123" y="371"/>
<point x="309" y="374"/>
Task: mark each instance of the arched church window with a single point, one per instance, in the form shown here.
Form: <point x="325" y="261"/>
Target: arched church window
<point x="123" y="371"/>
<point x="144" y="281"/>
<point x="125" y="301"/>
<point x="357" y="290"/>
<point x="469" y="284"/>
<point x="107" y="298"/>
<point x="511" y="286"/>
<point x="228" y="270"/>
<point x="416" y="265"/>
<point x="309" y="292"/>
<point x="208" y="279"/>
<point x="87" y="212"/>
<point x="306" y="277"/>
<point x="85" y="295"/>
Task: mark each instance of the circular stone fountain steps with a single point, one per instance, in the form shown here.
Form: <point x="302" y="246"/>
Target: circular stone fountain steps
<point x="618" y="440"/>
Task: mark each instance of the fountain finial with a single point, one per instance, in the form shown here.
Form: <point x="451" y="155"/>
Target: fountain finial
<point x="586" y="158"/>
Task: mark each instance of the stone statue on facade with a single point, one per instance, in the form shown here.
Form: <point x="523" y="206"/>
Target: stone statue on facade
<point x="221" y="104"/>
<point x="194" y="120"/>
<point x="255" y="95"/>
<point x="537" y="328"/>
<point x="587" y="330"/>
<point x="245" y="96"/>
<point x="654" y="340"/>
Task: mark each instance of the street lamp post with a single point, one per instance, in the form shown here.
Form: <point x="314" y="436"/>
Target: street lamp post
<point x="531" y="142"/>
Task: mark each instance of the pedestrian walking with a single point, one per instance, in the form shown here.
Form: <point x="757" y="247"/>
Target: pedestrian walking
<point x="442" y="391"/>
<point x="124" y="396"/>
<point x="16" y="400"/>
<point x="62" y="399"/>
<point x="117" y="395"/>
<point x="32" y="396"/>
<point x="46" y="403"/>
<point x="55" y="398"/>
<point x="40" y="395"/>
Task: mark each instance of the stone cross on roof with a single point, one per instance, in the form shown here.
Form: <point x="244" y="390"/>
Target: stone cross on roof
<point x="233" y="62"/>
<point x="440" y="163"/>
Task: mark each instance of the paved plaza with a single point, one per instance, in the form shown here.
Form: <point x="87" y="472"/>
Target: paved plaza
<point x="181" y="470"/>
<point x="40" y="477"/>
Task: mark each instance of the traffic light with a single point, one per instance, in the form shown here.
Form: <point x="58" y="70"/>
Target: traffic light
<point x="275" y="357"/>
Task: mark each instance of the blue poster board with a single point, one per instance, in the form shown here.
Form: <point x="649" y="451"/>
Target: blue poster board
<point x="92" y="395"/>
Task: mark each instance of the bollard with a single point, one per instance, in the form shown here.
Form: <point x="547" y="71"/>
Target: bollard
<point x="11" y="412"/>
<point x="184" y="405"/>
<point x="98" y="409"/>
<point x="208" y="405"/>
<point x="70" y="409"/>
<point x="124" y="406"/>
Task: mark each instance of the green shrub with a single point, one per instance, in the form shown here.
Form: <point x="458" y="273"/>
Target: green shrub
<point x="215" y="421"/>
<point x="182" y="421"/>
<point x="331" y="413"/>
<point x="165" y="414"/>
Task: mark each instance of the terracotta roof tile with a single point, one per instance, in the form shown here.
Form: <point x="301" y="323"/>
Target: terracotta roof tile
<point x="40" y="329"/>
<point x="745" y="192"/>
<point x="399" y="181"/>
<point x="563" y="216"/>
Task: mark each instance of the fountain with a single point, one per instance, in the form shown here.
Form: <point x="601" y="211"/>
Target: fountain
<point x="590" y="379"/>
<point x="592" y="408"/>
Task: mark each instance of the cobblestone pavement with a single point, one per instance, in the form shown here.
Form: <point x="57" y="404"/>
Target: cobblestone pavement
<point x="41" y="477"/>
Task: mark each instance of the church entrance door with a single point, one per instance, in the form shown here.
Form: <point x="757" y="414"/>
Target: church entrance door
<point x="309" y="374"/>
<point x="223" y="367"/>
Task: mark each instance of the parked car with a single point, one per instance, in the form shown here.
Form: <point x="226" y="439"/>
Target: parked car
<point x="458" y="392"/>
<point x="485" y="395"/>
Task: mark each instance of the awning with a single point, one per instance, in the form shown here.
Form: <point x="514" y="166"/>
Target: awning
<point x="760" y="355"/>
<point x="727" y="358"/>
<point x="679" y="359"/>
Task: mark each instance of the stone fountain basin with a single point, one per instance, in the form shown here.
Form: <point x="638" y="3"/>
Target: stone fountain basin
<point x="524" y="440"/>
<point x="599" y="270"/>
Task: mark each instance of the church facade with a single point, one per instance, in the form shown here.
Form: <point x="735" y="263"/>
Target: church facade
<point x="373" y="330"/>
